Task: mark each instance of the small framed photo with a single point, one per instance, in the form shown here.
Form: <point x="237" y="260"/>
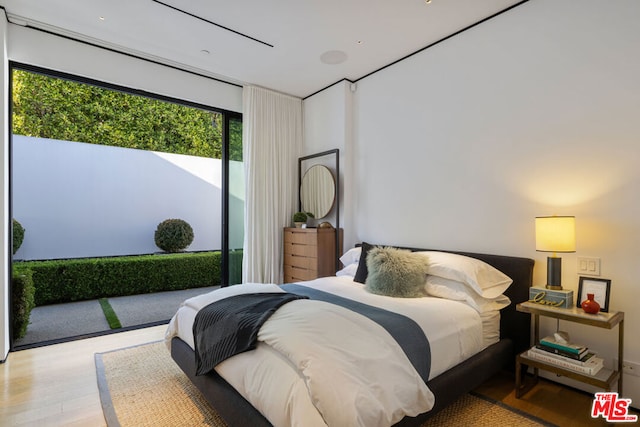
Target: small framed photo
<point x="600" y="289"/>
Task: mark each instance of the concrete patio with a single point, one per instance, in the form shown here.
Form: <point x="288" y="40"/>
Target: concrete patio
<point x="56" y="323"/>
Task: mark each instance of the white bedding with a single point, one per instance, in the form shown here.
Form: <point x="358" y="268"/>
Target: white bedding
<point x="278" y="386"/>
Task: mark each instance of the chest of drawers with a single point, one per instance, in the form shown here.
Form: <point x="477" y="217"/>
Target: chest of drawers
<point x="309" y="253"/>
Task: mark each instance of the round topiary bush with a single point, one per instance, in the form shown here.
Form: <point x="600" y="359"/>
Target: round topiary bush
<point x="18" y="235"/>
<point x="173" y="235"/>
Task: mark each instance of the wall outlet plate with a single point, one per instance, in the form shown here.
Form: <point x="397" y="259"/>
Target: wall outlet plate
<point x="629" y="368"/>
<point x="588" y="266"/>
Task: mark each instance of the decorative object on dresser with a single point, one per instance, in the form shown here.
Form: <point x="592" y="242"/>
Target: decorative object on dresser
<point x="555" y="234"/>
<point x="593" y="289"/>
<point x="301" y="218"/>
<point x="309" y="253"/>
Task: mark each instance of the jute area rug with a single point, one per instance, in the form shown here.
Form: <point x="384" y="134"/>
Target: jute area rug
<point x="142" y="386"/>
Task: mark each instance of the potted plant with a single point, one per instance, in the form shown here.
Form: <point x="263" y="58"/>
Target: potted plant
<point x="300" y="218"/>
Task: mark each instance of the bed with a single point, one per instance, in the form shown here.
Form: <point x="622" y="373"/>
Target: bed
<point x="497" y="340"/>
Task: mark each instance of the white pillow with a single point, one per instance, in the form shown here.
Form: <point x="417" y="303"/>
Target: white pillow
<point x="484" y="279"/>
<point x="349" y="270"/>
<point x="458" y="291"/>
<point x="351" y="256"/>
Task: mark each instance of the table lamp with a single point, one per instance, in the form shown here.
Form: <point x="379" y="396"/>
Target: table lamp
<point x="555" y="234"/>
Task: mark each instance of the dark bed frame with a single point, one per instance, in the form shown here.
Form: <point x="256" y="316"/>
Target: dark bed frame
<point x="515" y="335"/>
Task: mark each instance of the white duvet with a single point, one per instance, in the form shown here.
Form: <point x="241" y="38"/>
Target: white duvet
<point x="318" y="364"/>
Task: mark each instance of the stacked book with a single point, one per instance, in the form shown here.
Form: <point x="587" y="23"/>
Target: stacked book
<point x="566" y="355"/>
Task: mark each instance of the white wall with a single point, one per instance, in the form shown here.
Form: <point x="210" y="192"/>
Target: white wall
<point x="328" y="124"/>
<point x="84" y="200"/>
<point x="56" y="53"/>
<point x="532" y="113"/>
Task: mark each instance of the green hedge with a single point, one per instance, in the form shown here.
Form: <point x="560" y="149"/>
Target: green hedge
<point x="235" y="266"/>
<point x="68" y="280"/>
<point x="22" y="300"/>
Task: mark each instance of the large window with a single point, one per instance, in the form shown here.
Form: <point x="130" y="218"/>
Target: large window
<point x="96" y="167"/>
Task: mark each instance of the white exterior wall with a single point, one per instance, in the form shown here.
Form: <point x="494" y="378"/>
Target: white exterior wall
<point x="85" y="200"/>
<point x="534" y="112"/>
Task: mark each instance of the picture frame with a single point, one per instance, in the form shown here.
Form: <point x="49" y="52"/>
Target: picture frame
<point x="600" y="288"/>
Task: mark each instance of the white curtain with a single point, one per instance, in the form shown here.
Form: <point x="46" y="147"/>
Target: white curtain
<point x="271" y="143"/>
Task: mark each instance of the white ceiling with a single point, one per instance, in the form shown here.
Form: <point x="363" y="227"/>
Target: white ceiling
<point x="276" y="44"/>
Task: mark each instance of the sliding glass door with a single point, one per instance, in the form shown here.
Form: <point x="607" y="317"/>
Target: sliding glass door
<point x="96" y="168"/>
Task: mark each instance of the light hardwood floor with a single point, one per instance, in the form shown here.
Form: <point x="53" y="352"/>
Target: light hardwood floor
<point x="56" y="386"/>
<point x="550" y="401"/>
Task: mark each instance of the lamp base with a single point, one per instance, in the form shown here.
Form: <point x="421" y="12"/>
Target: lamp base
<point x="554" y="273"/>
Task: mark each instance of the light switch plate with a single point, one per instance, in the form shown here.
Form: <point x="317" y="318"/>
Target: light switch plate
<point x="588" y="266"/>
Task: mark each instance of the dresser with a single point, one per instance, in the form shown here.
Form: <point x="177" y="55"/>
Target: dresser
<point x="309" y="253"/>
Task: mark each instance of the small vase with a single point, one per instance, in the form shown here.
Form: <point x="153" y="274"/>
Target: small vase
<point x="590" y="305"/>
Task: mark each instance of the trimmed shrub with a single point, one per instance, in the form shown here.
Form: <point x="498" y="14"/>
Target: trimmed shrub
<point x="18" y="235"/>
<point x="235" y="266"/>
<point x="173" y="235"/>
<point x="22" y="301"/>
<point x="58" y="281"/>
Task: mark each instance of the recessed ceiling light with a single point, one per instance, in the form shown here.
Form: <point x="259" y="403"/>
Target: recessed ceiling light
<point x="333" y="57"/>
<point x="360" y="42"/>
<point x="101" y="18"/>
<point x="427" y="1"/>
<point x="205" y="51"/>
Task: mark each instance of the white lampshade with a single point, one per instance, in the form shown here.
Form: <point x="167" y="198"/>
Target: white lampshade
<point x="556" y="234"/>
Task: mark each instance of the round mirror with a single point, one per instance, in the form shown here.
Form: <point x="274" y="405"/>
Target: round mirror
<point x="318" y="191"/>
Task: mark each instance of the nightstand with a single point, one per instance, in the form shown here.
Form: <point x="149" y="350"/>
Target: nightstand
<point x="605" y="378"/>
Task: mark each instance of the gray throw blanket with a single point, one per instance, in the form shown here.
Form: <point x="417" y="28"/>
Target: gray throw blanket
<point x="230" y="326"/>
